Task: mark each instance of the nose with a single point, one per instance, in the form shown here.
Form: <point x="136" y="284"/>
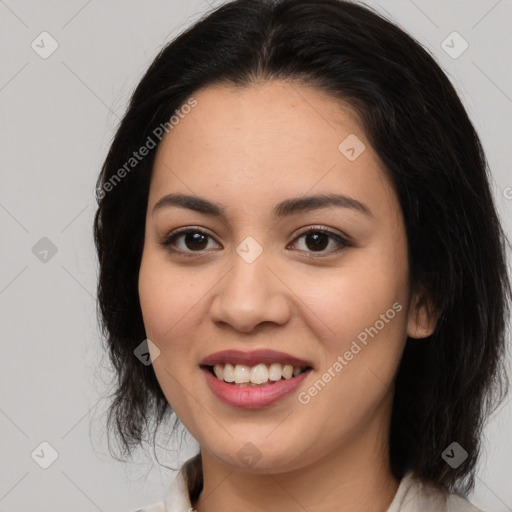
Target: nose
<point x="249" y="295"/>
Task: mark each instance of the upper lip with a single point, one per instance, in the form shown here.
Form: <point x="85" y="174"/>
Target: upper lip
<point x="253" y="358"/>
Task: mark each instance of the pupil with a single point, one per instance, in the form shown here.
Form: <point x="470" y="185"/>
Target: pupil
<point x="196" y="239"/>
<point x="318" y="243"/>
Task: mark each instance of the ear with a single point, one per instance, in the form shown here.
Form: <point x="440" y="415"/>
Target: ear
<point x="422" y="318"/>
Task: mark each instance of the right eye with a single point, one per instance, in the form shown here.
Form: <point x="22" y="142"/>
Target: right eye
<point x="194" y="239"/>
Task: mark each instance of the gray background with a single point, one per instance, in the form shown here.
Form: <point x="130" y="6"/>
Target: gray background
<point x="57" y="118"/>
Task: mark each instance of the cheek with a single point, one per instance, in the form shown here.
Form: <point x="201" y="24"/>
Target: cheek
<point x="360" y="324"/>
<point x="358" y="295"/>
<point x="166" y="297"/>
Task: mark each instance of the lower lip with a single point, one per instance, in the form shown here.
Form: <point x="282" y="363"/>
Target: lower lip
<point x="252" y="397"/>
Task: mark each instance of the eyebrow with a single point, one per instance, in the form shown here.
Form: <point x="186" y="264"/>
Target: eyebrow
<point x="282" y="209"/>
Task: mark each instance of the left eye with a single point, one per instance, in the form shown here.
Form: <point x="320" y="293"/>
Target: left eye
<point x="317" y="239"/>
<point x="196" y="240"/>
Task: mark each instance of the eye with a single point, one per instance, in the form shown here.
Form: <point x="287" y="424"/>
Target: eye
<point x="317" y="238"/>
<point x="194" y="239"/>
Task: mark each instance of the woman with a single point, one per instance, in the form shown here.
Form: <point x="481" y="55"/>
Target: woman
<point x="295" y="227"/>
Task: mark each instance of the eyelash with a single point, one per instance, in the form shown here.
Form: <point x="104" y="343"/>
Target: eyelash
<point x="171" y="238"/>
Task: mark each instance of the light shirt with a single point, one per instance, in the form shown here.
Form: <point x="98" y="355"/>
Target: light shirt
<point x="412" y="495"/>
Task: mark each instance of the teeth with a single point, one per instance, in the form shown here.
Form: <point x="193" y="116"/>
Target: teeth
<point x="229" y="372"/>
<point x="259" y="374"/>
<point x="242" y="373"/>
<point x="217" y="369"/>
<point x="275" y="372"/>
<point x="256" y="375"/>
<point x="287" y="371"/>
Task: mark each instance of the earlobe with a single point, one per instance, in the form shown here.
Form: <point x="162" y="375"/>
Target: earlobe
<point x="422" y="319"/>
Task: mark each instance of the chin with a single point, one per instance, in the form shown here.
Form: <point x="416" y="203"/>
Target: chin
<point x="258" y="455"/>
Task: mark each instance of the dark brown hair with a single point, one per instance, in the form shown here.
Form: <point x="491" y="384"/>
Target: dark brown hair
<point x="447" y="384"/>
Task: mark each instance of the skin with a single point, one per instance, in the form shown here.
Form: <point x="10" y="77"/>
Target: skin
<point x="248" y="149"/>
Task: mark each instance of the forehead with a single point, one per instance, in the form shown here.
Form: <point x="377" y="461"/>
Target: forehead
<point x="266" y="141"/>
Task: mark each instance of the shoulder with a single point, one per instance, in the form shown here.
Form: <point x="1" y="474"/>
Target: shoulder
<point x="413" y="495"/>
<point x="176" y="498"/>
<point x="458" y="504"/>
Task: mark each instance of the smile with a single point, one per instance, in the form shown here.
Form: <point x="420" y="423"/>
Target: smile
<point x="247" y="395"/>
<point x="259" y="375"/>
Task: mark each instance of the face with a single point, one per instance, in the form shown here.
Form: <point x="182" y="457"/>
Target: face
<point x="323" y="282"/>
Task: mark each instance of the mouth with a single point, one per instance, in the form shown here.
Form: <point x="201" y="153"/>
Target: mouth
<point x="254" y="379"/>
<point x="259" y="375"/>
